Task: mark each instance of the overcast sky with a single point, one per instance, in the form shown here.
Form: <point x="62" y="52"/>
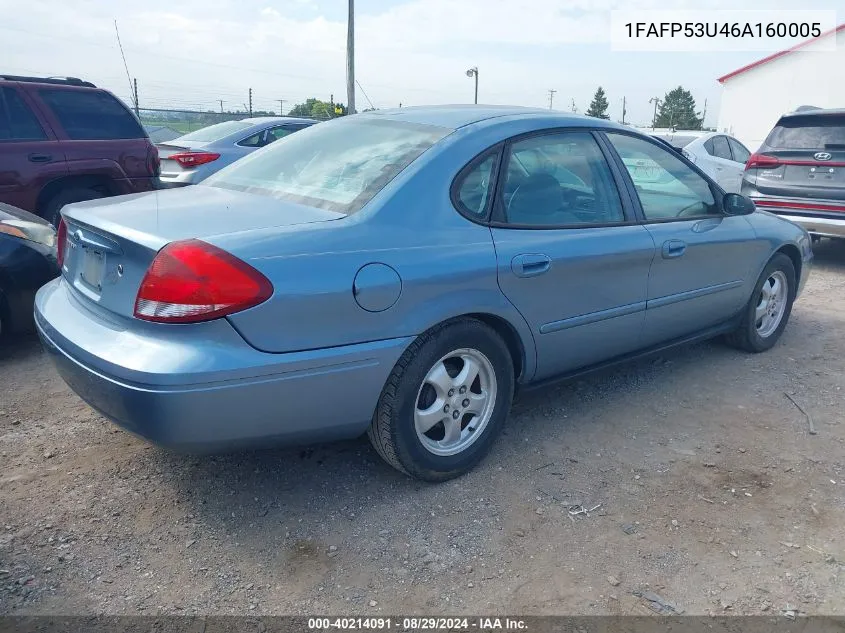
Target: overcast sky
<point x="190" y="53"/>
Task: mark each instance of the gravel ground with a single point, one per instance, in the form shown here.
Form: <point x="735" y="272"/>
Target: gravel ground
<point x="708" y="490"/>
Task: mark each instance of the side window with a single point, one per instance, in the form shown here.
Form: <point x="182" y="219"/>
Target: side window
<point x="474" y="187"/>
<point x="708" y="145"/>
<point x="91" y="115"/>
<point x="256" y="140"/>
<point x="274" y="134"/>
<point x="17" y="122"/>
<point x="721" y="148"/>
<point x="559" y="179"/>
<point x="667" y="188"/>
<point x="741" y="154"/>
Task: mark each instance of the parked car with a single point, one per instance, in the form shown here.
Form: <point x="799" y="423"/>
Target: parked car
<point x="720" y="156"/>
<point x="65" y="140"/>
<point x="27" y="262"/>
<point x="799" y="171"/>
<point x="402" y="273"/>
<point x="192" y="158"/>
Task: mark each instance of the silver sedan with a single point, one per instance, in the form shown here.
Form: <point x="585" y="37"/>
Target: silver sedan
<point x="193" y="157"/>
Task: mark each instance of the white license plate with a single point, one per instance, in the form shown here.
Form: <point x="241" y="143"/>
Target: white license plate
<point x="92" y="267"/>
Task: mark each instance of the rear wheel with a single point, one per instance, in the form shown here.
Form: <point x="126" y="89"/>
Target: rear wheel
<point x="67" y="196"/>
<point x="445" y="401"/>
<point x="768" y="310"/>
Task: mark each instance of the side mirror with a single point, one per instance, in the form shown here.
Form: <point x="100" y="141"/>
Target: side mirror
<point x="736" y="204"/>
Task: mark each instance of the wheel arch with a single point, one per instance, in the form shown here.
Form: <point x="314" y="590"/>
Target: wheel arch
<point x="794" y="254"/>
<point x="98" y="182"/>
<point x="511" y="337"/>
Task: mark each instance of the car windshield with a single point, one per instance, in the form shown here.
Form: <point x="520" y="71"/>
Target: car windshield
<point x="337" y="166"/>
<point x="809" y="132"/>
<point x="214" y="132"/>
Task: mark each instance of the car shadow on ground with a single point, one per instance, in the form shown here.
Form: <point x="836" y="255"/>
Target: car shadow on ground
<point x="19" y="347"/>
<point x="829" y="254"/>
<point x="303" y="490"/>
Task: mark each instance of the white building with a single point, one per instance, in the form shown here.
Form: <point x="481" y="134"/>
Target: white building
<point x="754" y="96"/>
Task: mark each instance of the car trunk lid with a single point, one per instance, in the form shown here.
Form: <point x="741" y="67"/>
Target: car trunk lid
<point x="112" y="242"/>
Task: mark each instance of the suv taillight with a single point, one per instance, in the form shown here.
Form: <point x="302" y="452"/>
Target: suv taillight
<point x="193" y="159"/>
<point x="762" y="160"/>
<point x="61" y="238"/>
<point x="194" y="281"/>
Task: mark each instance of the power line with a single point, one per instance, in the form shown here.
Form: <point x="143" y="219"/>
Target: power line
<point x="125" y="65"/>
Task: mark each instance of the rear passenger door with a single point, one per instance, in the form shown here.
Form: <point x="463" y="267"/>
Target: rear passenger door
<point x="30" y="155"/>
<point x="704" y="257"/>
<point x="569" y="254"/>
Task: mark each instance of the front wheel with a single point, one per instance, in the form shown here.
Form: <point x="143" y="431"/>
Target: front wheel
<point x="445" y="401"/>
<point x="768" y="310"/>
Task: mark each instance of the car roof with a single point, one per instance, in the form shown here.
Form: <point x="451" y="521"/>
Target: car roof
<point x="258" y="120"/>
<point x="811" y="112"/>
<point x="455" y="116"/>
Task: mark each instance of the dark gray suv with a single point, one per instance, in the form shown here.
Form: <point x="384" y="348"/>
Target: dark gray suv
<point x="799" y="171"/>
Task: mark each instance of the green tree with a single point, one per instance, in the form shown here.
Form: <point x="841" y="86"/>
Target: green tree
<point x="678" y="110"/>
<point x="598" y="106"/>
<point x="313" y="107"/>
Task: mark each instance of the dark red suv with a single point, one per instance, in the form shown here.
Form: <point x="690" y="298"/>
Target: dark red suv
<point x="65" y="140"/>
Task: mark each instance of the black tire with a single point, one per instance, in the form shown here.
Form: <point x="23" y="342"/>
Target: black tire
<point x="746" y="336"/>
<point x="393" y="432"/>
<point x="5" y="321"/>
<point x="54" y="205"/>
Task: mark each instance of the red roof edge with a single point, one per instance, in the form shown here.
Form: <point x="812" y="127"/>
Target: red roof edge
<point x="774" y="56"/>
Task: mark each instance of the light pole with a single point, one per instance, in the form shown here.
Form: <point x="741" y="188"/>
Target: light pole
<point x="474" y="72"/>
<point x="350" y="59"/>
<point x="656" y="103"/>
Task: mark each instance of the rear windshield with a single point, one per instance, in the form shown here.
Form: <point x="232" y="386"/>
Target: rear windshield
<point x="810" y="132"/>
<point x="337" y="166"/>
<point x="215" y="132"/>
<point x="91" y="114"/>
<point x="677" y="142"/>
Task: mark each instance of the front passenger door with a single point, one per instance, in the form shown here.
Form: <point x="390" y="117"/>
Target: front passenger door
<point x="570" y="256"/>
<point x="704" y="258"/>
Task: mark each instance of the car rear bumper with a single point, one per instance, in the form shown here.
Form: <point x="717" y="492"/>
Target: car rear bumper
<point x="202" y="388"/>
<point x="819" y="217"/>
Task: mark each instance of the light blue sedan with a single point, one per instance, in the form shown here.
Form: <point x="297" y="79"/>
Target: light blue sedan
<point x="402" y="273"/>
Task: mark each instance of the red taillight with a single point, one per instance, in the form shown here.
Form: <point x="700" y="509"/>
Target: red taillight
<point x="194" y="281"/>
<point x="61" y="237"/>
<point x="762" y="160"/>
<point x="192" y="159"/>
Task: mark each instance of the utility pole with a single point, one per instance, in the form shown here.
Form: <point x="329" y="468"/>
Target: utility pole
<point x="135" y="90"/>
<point x="624" y="110"/>
<point x="281" y="107"/>
<point x="250" y="102"/>
<point x="221" y="105"/>
<point x="331" y="105"/>
<point x="574" y="107"/>
<point x="551" y="97"/>
<point x="703" y="114"/>
<point x="350" y="59"/>
<point x="656" y="102"/>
